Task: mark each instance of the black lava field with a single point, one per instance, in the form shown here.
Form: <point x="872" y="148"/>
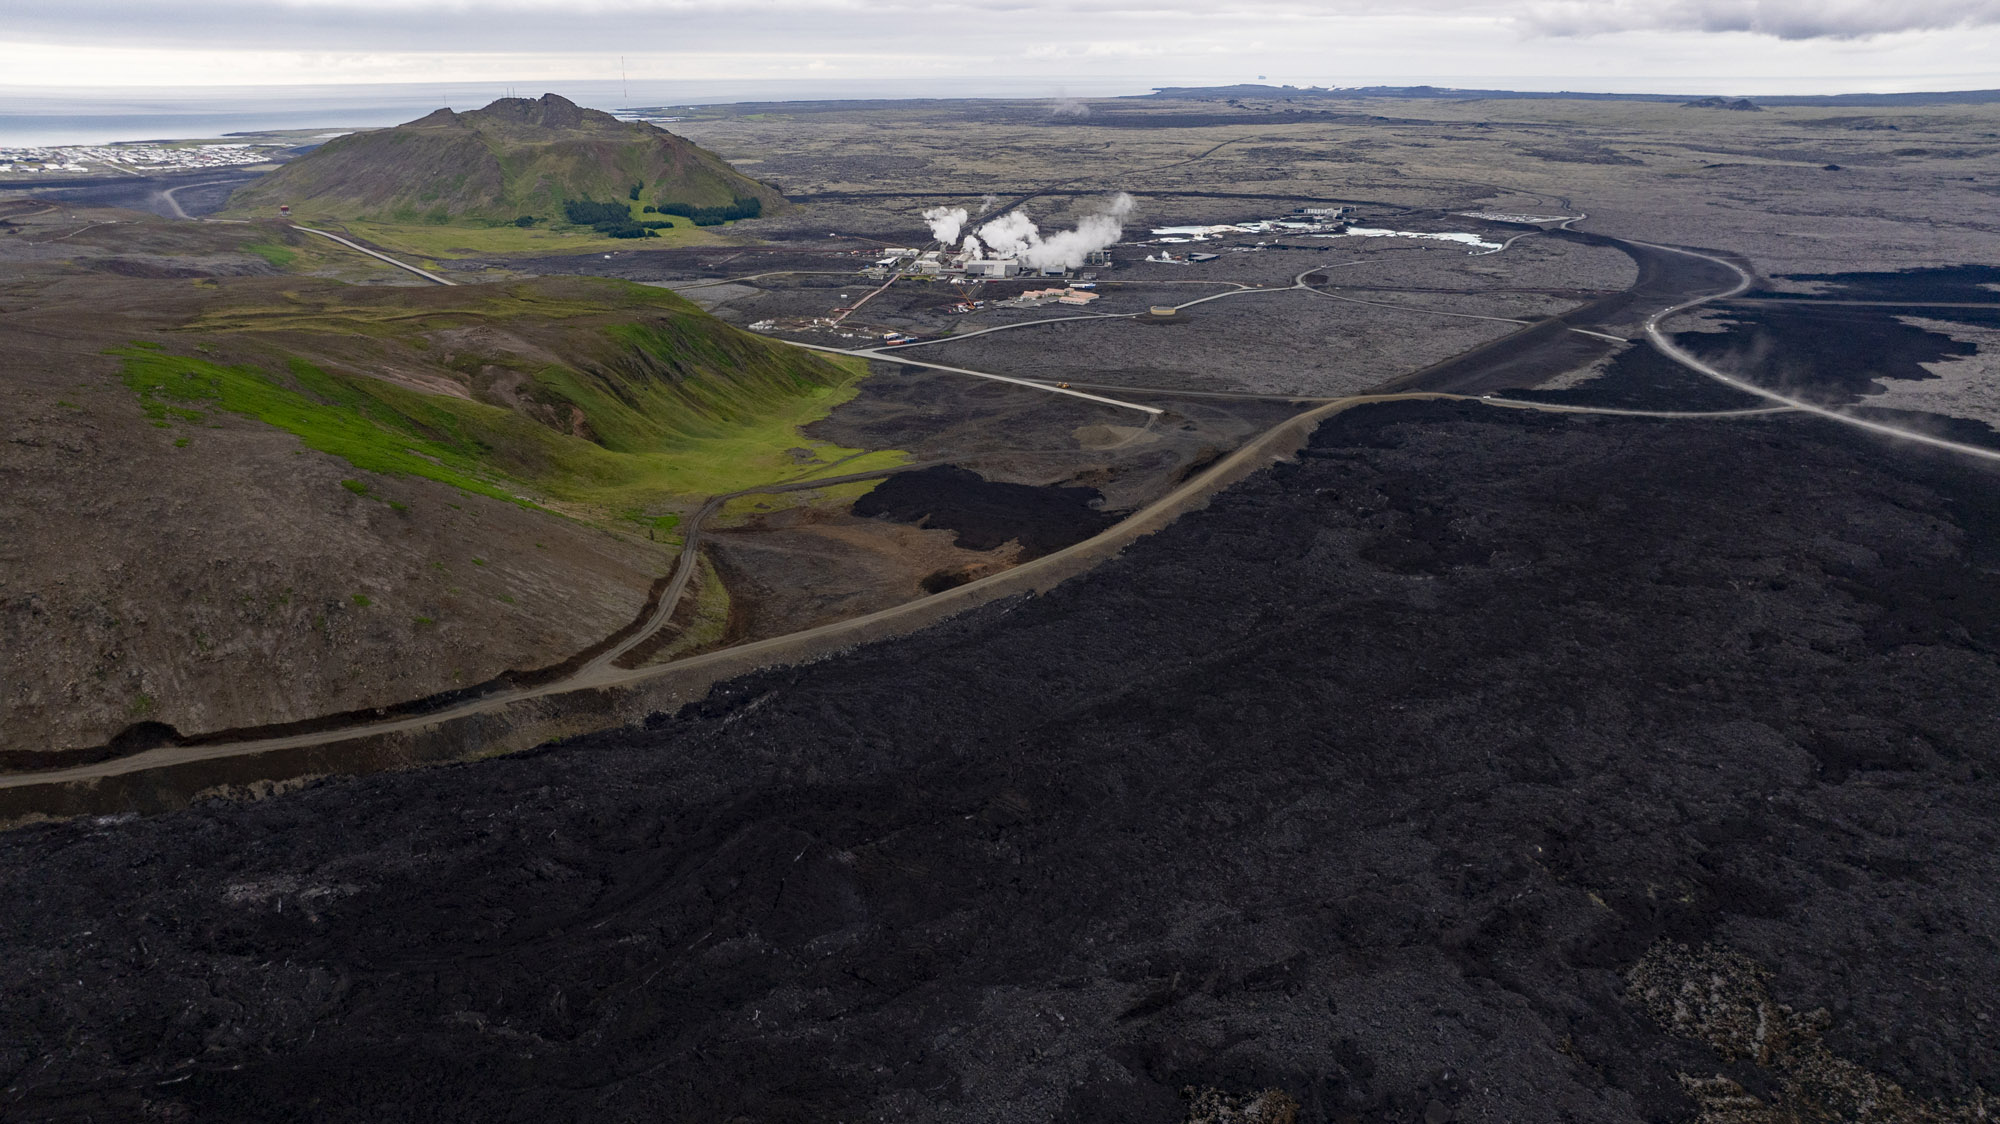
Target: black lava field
<point x="1479" y="766"/>
<point x="987" y="514"/>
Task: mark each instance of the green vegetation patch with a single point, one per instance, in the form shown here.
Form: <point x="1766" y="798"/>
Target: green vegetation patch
<point x="374" y="426"/>
<point x="740" y="208"/>
<point x="672" y="404"/>
<point x="613" y="220"/>
<point x="277" y="255"/>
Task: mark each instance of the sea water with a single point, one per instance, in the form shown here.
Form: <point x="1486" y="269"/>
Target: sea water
<point x="31" y="116"/>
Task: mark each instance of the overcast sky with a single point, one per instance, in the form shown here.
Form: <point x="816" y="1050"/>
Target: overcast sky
<point x="1089" y="46"/>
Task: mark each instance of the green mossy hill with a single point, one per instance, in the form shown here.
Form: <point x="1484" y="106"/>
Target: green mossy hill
<point x="590" y="392"/>
<point x="518" y="158"/>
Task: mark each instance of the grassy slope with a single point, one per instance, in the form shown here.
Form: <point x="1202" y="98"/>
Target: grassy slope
<point x="679" y="405"/>
<point x="457" y="241"/>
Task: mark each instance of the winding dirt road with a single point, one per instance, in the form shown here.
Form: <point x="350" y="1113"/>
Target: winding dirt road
<point x="696" y="672"/>
<point x="1744" y="280"/>
<point x="174" y="204"/>
<point x="691" y="676"/>
<point x="598" y="669"/>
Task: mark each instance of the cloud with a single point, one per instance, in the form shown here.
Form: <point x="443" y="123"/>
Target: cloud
<point x="1103" y="31"/>
<point x="1780" y="19"/>
<point x="1108" y="46"/>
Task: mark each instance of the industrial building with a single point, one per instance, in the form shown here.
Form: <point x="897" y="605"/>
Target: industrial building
<point x="945" y="262"/>
<point x="937" y="264"/>
<point x="1035" y="298"/>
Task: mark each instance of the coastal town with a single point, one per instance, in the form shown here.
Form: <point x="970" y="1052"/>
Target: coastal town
<point x="134" y="157"/>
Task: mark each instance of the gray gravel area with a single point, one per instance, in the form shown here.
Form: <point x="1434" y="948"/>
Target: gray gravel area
<point x="1271" y="343"/>
<point x="1964" y="388"/>
<point x="1422" y="306"/>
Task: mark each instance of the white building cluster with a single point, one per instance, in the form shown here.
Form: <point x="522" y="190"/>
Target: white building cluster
<point x="150" y="157"/>
<point x="942" y="264"/>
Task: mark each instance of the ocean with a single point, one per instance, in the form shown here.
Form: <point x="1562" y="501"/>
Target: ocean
<point x="36" y="117"/>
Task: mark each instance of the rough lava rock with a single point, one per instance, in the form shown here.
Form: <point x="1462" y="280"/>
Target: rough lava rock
<point x="1418" y="780"/>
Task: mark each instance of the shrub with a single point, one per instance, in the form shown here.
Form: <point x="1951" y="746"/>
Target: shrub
<point x="612" y="219"/>
<point x="583" y="212"/>
<point x="715" y="216"/>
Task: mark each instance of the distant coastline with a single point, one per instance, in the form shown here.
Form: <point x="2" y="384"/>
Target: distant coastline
<point x="32" y="116"/>
<point x="52" y="117"/>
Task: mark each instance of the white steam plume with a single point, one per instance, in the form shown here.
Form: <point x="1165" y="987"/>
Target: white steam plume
<point x="1010" y="234"/>
<point x="945" y="223"/>
<point x="1014" y="235"/>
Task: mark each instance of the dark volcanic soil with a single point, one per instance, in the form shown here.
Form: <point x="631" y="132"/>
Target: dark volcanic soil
<point x="1839" y="355"/>
<point x="1831" y="354"/>
<point x="1376" y="781"/>
<point x="1640" y="378"/>
<point x="987" y="514"/>
<point x="1950" y="283"/>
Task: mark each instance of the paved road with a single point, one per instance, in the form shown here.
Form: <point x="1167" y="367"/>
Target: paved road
<point x="1238" y="290"/>
<point x="1611" y="411"/>
<point x="1814" y="302"/>
<point x="1276" y="443"/>
<point x="1042" y="386"/>
<point x="423" y="273"/>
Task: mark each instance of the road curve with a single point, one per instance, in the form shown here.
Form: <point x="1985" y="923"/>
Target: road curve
<point x="1041" y="573"/>
<point x="175" y="204"/>
<point x="1276" y="443"/>
<point x="1667" y="347"/>
<point x="690" y="558"/>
